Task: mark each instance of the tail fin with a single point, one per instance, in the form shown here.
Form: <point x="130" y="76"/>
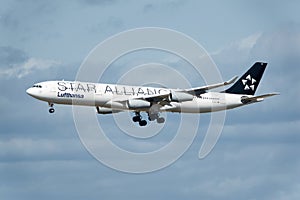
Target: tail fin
<point x="248" y="83"/>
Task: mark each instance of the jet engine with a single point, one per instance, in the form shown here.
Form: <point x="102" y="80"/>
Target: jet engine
<point x="102" y="110"/>
<point x="180" y="96"/>
<point x="138" y="104"/>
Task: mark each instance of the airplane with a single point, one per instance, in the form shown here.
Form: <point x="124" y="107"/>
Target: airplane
<point x="112" y="98"/>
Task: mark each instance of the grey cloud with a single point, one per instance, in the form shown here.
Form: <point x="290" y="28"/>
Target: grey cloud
<point x="248" y="162"/>
<point x="9" y="21"/>
<point x="149" y="7"/>
<point x="255" y="158"/>
<point x="10" y="56"/>
<point x="98" y="2"/>
<point x="28" y="67"/>
<point x="28" y="149"/>
<point x="107" y="25"/>
<point x="15" y="63"/>
<point x="22" y="16"/>
<point x="280" y="48"/>
<point x="156" y="5"/>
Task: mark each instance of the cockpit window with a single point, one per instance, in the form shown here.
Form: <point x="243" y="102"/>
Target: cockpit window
<point x="37" y="86"/>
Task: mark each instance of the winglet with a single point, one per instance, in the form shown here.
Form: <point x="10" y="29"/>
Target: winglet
<point x="232" y="80"/>
<point x="198" y="90"/>
<point x="274" y="93"/>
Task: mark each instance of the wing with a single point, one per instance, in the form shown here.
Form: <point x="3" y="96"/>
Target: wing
<point x="165" y="96"/>
<point x="151" y="98"/>
<point x="202" y="89"/>
<point x="247" y="100"/>
<point x="141" y="102"/>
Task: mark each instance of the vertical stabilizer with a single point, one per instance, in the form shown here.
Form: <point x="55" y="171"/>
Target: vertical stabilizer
<point x="248" y="83"/>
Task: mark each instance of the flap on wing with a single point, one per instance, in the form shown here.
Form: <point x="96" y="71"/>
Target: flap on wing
<point x="152" y="98"/>
<point x="199" y="90"/>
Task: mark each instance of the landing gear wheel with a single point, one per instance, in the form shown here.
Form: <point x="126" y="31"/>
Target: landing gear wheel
<point x="136" y="118"/>
<point x="160" y="120"/>
<point x="51" y="109"/>
<point x="143" y="123"/>
<point x="152" y="117"/>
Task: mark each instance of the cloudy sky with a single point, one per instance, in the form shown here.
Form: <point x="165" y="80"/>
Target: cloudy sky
<point x="257" y="156"/>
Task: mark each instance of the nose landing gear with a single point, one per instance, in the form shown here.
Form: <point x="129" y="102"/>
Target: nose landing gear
<point x="51" y="109"/>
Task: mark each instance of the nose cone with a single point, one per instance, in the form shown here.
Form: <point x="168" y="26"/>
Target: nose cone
<point x="29" y="91"/>
<point x="32" y="92"/>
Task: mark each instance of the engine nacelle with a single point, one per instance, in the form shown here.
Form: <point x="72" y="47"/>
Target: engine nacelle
<point x="180" y="96"/>
<point x="138" y="104"/>
<point x="102" y="110"/>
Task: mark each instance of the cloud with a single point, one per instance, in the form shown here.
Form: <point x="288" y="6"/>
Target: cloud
<point x="158" y="5"/>
<point x="107" y="25"/>
<point x="236" y="52"/>
<point x="255" y="158"/>
<point x="20" y="149"/>
<point x="98" y="2"/>
<point x="280" y="48"/>
<point x="18" y="16"/>
<point x="15" y="63"/>
<point x="29" y="66"/>
<point x="9" y="21"/>
<point x="9" y="55"/>
<point x="280" y="45"/>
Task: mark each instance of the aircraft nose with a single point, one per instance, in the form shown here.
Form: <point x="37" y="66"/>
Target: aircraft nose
<point x="30" y="91"/>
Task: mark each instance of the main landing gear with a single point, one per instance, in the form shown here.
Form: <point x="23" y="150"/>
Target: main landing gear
<point x="51" y="109"/>
<point x="138" y="118"/>
<point x="156" y="117"/>
<point x="151" y="117"/>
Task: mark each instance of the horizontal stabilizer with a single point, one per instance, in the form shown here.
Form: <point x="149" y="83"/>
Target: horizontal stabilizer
<point x="247" y="100"/>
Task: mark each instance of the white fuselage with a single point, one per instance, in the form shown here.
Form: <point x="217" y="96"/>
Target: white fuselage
<point x="112" y="96"/>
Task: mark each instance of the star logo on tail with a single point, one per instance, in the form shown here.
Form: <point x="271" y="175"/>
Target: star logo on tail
<point x="248" y="82"/>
